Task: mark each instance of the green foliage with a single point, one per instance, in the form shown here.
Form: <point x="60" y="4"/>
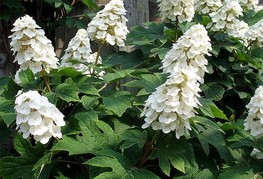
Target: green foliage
<point x="21" y="166"/>
<point x="118" y="102"/>
<point x="103" y="137"/>
<point x="169" y="153"/>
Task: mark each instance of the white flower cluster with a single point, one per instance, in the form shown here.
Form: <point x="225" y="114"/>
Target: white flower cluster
<point x="79" y="50"/>
<point x="255" y="34"/>
<point x="33" y="50"/>
<point x="173" y="9"/>
<point x="207" y="6"/>
<point x="109" y="24"/>
<point x="37" y="116"/>
<point x="226" y="19"/>
<point x="254" y="120"/>
<point x="172" y="104"/>
<point x="248" y="4"/>
<point x="189" y="51"/>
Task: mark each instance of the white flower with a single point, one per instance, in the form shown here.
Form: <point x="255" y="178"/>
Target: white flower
<point x="238" y="29"/>
<point x="248" y="4"/>
<point x="207" y="6"/>
<point x="32" y="49"/>
<point x="172" y="104"/>
<point x="38" y="117"/>
<point x="109" y="25"/>
<point x="189" y="50"/>
<point x="258" y="154"/>
<point x="258" y="8"/>
<point x="254" y="120"/>
<point x="226" y="19"/>
<point x="79" y="50"/>
<point x="255" y="34"/>
<point x="173" y="9"/>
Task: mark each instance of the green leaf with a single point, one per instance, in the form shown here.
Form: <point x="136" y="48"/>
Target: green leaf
<point x="51" y="97"/>
<point x="213" y="91"/>
<point x="95" y="135"/>
<point x="87" y="88"/>
<point x="133" y="137"/>
<point x="68" y="71"/>
<point x="67" y="92"/>
<point x="257" y="52"/>
<point x="168" y="152"/>
<point x="205" y="174"/>
<point x="42" y="167"/>
<point x="255" y="62"/>
<point x="24" y="147"/>
<point x="7" y="111"/>
<point x="206" y="122"/>
<point x="104" y="161"/>
<point x="140" y="173"/>
<point x="241" y="138"/>
<point x="143" y="36"/>
<point x="12" y="89"/>
<point x="216" y="139"/>
<point x="67" y="7"/>
<point x="255" y="18"/>
<point x="148" y="82"/>
<point x="21" y="167"/>
<point x="90" y="3"/>
<point x="229" y="126"/>
<point x="237" y="172"/>
<point x="89" y="102"/>
<point x="118" y="103"/>
<point x="209" y="109"/>
<point x="3" y="84"/>
<point x="26" y="76"/>
<point x="109" y="77"/>
<point x="46" y="159"/>
<point x="9" y="118"/>
<point x="217" y="112"/>
<point x="108" y="133"/>
<point x="124" y="59"/>
<point x="58" y="4"/>
<point x="87" y="85"/>
<point x="115" y="165"/>
<point x="14" y="167"/>
<point x="161" y="52"/>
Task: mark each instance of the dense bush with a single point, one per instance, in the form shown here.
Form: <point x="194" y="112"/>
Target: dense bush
<point x="186" y="102"/>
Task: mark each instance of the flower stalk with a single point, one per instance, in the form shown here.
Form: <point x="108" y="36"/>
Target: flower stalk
<point x="148" y="150"/>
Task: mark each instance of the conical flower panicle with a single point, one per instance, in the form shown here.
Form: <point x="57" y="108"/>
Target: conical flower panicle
<point x="254" y="120"/>
<point x="31" y="47"/>
<point x="79" y="50"/>
<point x="38" y="117"/>
<point x="173" y="103"/>
<point x="109" y="24"/>
<point x="189" y="50"/>
<point x="181" y="9"/>
<point x="226" y="19"/>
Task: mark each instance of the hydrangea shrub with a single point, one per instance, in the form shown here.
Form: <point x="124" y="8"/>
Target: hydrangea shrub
<point x="187" y="102"/>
